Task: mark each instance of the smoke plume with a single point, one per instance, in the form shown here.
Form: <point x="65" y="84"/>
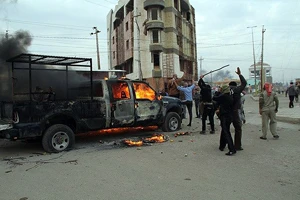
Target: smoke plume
<point x="10" y="46"/>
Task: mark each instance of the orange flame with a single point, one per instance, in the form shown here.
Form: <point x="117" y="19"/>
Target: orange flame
<point x="120" y="91"/>
<point x="143" y="91"/>
<point x="133" y="143"/>
<point x="156" y="138"/>
<point x="181" y="133"/>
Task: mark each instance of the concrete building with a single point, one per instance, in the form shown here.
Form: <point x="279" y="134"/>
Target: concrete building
<point x="153" y="39"/>
<point x="267" y="73"/>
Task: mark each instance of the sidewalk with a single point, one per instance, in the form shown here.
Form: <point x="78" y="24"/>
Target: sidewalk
<point x="286" y="114"/>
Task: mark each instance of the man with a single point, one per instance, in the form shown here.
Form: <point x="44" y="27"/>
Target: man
<point x="291" y="90"/>
<point x="172" y="88"/>
<point x="207" y="106"/>
<point x="237" y="90"/>
<point x="197" y="99"/>
<point x="225" y="101"/>
<point x="188" y="94"/>
<point x="268" y="107"/>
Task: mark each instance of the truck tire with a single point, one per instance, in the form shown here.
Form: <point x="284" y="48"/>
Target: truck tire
<point x="57" y="138"/>
<point x="172" y="122"/>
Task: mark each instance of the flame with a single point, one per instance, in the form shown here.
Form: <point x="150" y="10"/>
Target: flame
<point x="181" y="133"/>
<point x="133" y="143"/>
<point x="156" y="138"/>
<point x="120" y="90"/>
<point x="120" y="130"/>
<point x="143" y="91"/>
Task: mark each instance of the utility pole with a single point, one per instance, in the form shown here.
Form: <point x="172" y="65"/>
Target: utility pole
<point x="253" y="57"/>
<point x="262" y="59"/>
<point x="139" y="45"/>
<point x="96" y="33"/>
<point x="201" y="65"/>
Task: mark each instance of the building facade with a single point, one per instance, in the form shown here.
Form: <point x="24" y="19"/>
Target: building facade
<point x="153" y="39"/>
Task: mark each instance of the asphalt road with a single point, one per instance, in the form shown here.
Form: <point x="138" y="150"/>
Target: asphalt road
<point x="184" y="167"/>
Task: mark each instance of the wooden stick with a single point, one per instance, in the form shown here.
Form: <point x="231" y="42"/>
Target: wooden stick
<point x="215" y="70"/>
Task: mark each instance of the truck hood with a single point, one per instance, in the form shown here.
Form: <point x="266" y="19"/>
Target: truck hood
<point x="171" y="99"/>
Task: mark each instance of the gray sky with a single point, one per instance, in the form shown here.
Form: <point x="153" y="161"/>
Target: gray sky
<point x="63" y="28"/>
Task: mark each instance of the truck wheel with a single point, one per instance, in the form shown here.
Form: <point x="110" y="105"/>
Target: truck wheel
<point x="58" y="138"/>
<point x="172" y="122"/>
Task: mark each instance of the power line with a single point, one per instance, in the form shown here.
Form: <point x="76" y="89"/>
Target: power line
<point x="96" y="4"/>
<point x="63" y="26"/>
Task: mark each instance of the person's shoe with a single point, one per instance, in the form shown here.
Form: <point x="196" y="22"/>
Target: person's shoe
<point x="263" y="138"/>
<point x="244" y="121"/>
<point x="239" y="149"/>
<point x="189" y="125"/>
<point x="276" y="136"/>
<point x="230" y="153"/>
<point x="212" y="132"/>
<point x="221" y="149"/>
<point x="202" y="132"/>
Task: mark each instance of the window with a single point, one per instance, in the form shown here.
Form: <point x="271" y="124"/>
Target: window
<point x="176" y="4"/>
<point x="113" y="40"/>
<point x="154" y="13"/>
<point x="114" y="55"/>
<point x="144" y="91"/>
<point x="155" y="36"/>
<point x="156" y="60"/>
<point x="126" y="26"/>
<point x="120" y="90"/>
<point x="188" y="16"/>
<point x="127" y="44"/>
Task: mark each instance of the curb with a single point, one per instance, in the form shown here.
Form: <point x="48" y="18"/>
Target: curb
<point x="282" y="118"/>
<point x="288" y="119"/>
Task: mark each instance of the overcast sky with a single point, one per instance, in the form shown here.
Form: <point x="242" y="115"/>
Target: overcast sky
<point x="63" y="27"/>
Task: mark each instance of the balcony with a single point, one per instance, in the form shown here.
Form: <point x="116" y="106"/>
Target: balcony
<point x="155" y="24"/>
<point x="156" y="47"/>
<point x="154" y="3"/>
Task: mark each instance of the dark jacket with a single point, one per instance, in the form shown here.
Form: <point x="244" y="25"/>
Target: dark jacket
<point x="291" y="91"/>
<point x="205" y="91"/>
<point x="237" y="90"/>
<point x="225" y="101"/>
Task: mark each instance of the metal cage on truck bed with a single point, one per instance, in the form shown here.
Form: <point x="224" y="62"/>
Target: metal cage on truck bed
<point x="41" y="62"/>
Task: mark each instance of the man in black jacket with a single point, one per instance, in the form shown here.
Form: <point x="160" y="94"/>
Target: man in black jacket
<point x="207" y="106"/>
<point x="237" y="90"/>
<point x="225" y="101"/>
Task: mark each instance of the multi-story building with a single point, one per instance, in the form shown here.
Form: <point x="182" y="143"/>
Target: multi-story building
<point x="153" y="39"/>
<point x="266" y="74"/>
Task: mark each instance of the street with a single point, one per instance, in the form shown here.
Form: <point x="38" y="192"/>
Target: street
<point x="184" y="167"/>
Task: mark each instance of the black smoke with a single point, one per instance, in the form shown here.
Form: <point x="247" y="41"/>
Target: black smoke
<point x="10" y="46"/>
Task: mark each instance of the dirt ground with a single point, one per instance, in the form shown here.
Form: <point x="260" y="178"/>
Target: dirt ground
<point x="184" y="167"/>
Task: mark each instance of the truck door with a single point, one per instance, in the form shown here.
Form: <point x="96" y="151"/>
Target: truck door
<point x="147" y="106"/>
<point x="122" y="104"/>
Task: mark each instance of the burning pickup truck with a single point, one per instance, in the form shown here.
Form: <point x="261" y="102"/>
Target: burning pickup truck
<point x="89" y="105"/>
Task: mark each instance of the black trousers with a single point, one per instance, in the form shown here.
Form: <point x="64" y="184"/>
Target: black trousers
<point x="225" y="137"/>
<point x="208" y="111"/>
<point x="197" y="107"/>
<point x="237" y="124"/>
<point x="291" y="104"/>
<point x="189" y="106"/>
